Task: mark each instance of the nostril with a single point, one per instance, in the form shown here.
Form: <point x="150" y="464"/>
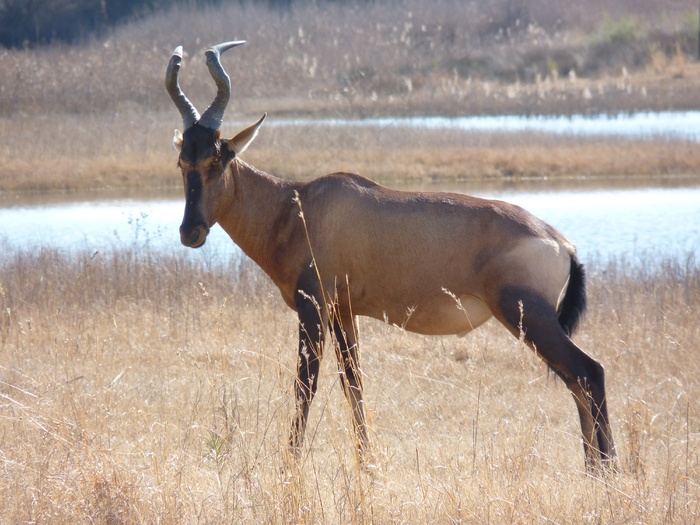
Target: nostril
<point x="192" y="238"/>
<point x="188" y="237"/>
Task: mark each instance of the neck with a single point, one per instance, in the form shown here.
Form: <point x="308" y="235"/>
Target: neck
<point x="260" y="214"/>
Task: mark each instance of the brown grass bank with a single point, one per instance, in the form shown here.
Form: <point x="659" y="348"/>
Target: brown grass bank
<point x="142" y="388"/>
<point x="134" y="150"/>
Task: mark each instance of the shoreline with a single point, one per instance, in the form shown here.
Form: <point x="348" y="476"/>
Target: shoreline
<point x="80" y="158"/>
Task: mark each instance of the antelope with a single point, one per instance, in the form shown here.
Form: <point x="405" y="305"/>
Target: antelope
<point x="343" y="246"/>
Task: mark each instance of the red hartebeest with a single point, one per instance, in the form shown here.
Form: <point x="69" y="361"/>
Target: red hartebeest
<point x="435" y="263"/>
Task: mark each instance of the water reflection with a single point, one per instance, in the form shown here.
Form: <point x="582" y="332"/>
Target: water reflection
<point x="669" y="125"/>
<point x="639" y="222"/>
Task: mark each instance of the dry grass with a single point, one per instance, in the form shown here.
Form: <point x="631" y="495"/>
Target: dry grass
<point x="407" y="55"/>
<point x="143" y="388"/>
<point x="133" y="150"/>
<point x="97" y="116"/>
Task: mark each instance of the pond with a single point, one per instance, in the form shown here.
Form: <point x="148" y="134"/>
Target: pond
<point x="638" y="223"/>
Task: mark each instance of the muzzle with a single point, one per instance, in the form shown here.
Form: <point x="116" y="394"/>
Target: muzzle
<point x="193" y="236"/>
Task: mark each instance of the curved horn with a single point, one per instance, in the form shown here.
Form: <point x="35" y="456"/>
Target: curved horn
<point x="213" y="116"/>
<point x="187" y="110"/>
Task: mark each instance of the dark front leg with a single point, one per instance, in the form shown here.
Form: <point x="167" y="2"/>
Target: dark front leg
<point x="351" y="377"/>
<point x="312" y="322"/>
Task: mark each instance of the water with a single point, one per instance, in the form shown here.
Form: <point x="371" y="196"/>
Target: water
<point x="669" y="125"/>
<point x="637" y="223"/>
<point x="103" y="225"/>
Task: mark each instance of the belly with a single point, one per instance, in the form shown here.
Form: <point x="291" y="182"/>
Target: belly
<point x="446" y="315"/>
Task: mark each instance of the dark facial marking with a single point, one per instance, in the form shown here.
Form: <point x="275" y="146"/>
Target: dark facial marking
<point x="194" y="188"/>
<point x="193" y="214"/>
<point x="199" y="143"/>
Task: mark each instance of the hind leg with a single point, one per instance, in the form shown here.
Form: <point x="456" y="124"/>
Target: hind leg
<point x="582" y="374"/>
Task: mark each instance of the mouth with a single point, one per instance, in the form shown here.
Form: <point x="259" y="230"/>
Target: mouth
<point x="194" y="238"/>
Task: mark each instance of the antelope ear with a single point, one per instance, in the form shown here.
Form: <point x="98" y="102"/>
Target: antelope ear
<point x="177" y="140"/>
<point x="242" y="140"/>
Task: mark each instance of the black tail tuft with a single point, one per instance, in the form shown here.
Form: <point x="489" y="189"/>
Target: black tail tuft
<point x="573" y="306"/>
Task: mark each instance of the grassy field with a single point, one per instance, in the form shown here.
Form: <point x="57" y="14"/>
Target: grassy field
<point x="75" y="156"/>
<point x="143" y="388"/>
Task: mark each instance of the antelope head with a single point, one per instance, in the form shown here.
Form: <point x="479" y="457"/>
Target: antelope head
<point x="204" y="156"/>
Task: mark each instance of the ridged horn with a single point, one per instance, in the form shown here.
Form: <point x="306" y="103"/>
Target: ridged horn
<point x="187" y="110"/>
<point x="213" y="116"/>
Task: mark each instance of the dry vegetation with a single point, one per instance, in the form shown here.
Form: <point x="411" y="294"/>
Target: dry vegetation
<point x="97" y="115"/>
<point x="77" y="157"/>
<point x="141" y="388"/>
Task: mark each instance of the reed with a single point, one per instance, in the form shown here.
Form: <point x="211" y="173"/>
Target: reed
<point x="139" y="387"/>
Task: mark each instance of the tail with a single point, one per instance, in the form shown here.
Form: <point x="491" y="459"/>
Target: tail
<point x="573" y="306"/>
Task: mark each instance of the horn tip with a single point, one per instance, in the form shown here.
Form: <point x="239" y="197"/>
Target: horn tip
<point x="220" y="48"/>
<point x="178" y="51"/>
